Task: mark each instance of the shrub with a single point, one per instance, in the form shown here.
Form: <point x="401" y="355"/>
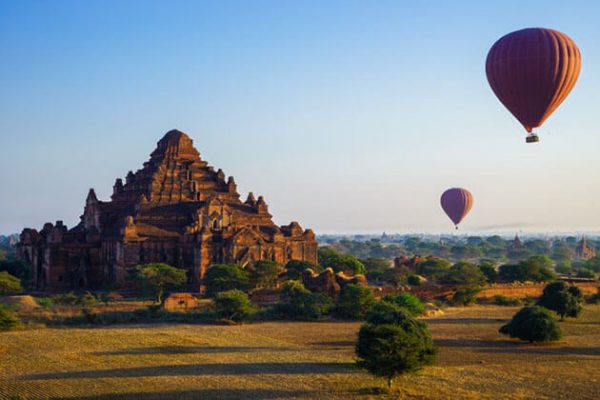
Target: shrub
<point x="506" y="301"/>
<point x="45" y="302"/>
<point x="586" y="273"/>
<point x="565" y="300"/>
<point x="406" y="301"/>
<point x="297" y="302"/>
<point x="414" y="280"/>
<point x="7" y="319"/>
<point x="355" y="301"/>
<point x="111" y="297"/>
<point x="157" y="277"/>
<point x="534" y="324"/>
<point x="87" y="299"/>
<point x="233" y="305"/>
<point x="9" y="284"/>
<point x="65" y="298"/>
<point x="224" y="277"/>
<point x="465" y="295"/>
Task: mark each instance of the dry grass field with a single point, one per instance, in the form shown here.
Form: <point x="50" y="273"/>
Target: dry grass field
<point x="280" y="360"/>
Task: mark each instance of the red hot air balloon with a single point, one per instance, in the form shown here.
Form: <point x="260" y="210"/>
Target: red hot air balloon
<point x="457" y="203"/>
<point x="532" y="71"/>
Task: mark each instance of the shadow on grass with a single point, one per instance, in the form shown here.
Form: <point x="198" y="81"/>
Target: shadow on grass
<point x="342" y="343"/>
<point x="204" y="369"/>
<point x="553" y="351"/>
<point x="474" y="343"/>
<point x="190" y="350"/>
<point x="464" y="321"/>
<point x="225" y="394"/>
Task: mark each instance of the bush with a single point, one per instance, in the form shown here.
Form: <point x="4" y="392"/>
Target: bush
<point x="406" y="301"/>
<point x="7" y="319"/>
<point x="586" y="273"/>
<point x="233" y="305"/>
<point x="465" y="295"/>
<point x="355" y="301"/>
<point x="392" y="343"/>
<point x="45" y="302"/>
<point x="414" y="280"/>
<point x="506" y="301"/>
<point x="565" y="300"/>
<point x="534" y="324"/>
<point x="67" y="299"/>
<point x="87" y="300"/>
<point x="9" y="284"/>
<point x="224" y="277"/>
<point x="297" y="302"/>
<point x="111" y="297"/>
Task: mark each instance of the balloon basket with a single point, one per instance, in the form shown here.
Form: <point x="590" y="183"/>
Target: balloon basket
<point x="533" y="138"/>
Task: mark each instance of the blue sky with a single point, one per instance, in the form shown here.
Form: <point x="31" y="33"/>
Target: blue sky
<point x="347" y="116"/>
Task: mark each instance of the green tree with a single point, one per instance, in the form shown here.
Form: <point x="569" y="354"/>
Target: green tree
<point x="9" y="284"/>
<point x="563" y="299"/>
<point x="297" y="302"/>
<point x="330" y="258"/>
<point x="586" y="273"/>
<point x="265" y="274"/>
<point x="7" y="319"/>
<point x="355" y="301"/>
<point x="233" y="305"/>
<point x="536" y="268"/>
<point x="17" y="268"/>
<point x="488" y="269"/>
<point x="158" y="277"/>
<point x="407" y="301"/>
<point x="433" y="268"/>
<point x="224" y="277"/>
<point x="392" y="343"/>
<point x="464" y="274"/>
<point x="533" y="324"/>
<point x="593" y="264"/>
<point x="294" y="269"/>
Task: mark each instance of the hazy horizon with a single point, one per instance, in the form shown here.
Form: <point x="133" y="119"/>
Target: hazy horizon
<point x="347" y="116"/>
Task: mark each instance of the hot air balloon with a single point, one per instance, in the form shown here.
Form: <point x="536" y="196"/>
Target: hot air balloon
<point x="456" y="203"/>
<point x="532" y="71"/>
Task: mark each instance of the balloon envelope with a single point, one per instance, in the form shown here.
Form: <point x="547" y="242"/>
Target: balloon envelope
<point x="456" y="203"/>
<point x="532" y="71"/>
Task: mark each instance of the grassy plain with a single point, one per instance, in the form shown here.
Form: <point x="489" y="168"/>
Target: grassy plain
<point x="294" y="360"/>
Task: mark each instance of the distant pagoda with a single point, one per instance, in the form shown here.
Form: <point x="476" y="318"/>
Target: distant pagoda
<point x="176" y="209"/>
<point x="583" y="251"/>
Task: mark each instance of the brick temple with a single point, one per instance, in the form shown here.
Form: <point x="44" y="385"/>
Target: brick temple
<point x="177" y="210"/>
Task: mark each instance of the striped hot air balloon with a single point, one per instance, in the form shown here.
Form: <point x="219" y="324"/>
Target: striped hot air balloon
<point x="532" y="71"/>
<point x="456" y="203"/>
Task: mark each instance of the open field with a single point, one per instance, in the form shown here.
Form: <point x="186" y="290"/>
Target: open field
<point x="281" y="360"/>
